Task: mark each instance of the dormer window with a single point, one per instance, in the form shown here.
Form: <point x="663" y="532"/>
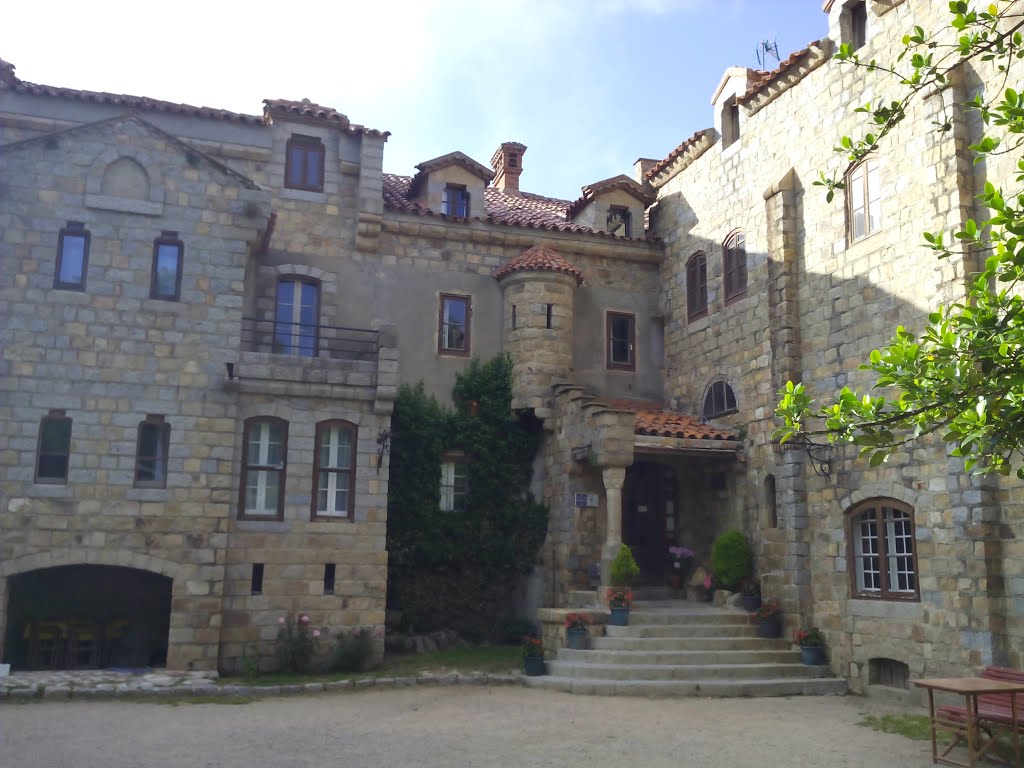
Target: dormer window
<point x="304" y="164"/>
<point x="620" y="222"/>
<point x="455" y="201"/>
<point x="730" y="123"/>
<point x="854" y="24"/>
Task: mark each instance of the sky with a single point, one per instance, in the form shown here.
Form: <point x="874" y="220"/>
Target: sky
<point x="587" y="85"/>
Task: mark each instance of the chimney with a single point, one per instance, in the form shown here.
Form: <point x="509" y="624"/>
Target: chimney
<point x="507" y="163"/>
<point x="641" y="166"/>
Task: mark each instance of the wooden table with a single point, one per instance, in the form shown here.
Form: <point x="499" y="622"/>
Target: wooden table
<point x="971" y="730"/>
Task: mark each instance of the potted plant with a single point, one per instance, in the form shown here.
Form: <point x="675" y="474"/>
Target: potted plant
<point x="731" y="559"/>
<point x="751" y="597"/>
<point x="576" y="631"/>
<point x="812" y="646"/>
<point x="531" y="652"/>
<point x="679" y="560"/>
<point x="623" y="570"/>
<point x="769" y="619"/>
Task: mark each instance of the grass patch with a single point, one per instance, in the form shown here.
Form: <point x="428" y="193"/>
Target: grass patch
<point x="914" y="727"/>
<point x="205" y="699"/>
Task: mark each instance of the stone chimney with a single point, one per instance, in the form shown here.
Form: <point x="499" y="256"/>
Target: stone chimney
<point x="507" y="163"/>
<point x="642" y="166"/>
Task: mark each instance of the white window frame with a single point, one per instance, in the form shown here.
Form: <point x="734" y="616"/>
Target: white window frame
<point x="257" y="469"/>
<point x="454" y="492"/>
<point x="864" y="198"/>
<point x="326" y="478"/>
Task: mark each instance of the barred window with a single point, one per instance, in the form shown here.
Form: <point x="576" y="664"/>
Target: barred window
<point x="882" y="553"/>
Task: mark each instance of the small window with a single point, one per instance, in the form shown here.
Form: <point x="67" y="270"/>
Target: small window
<point x="265" y="448"/>
<point x="863" y="200"/>
<point x="455" y="201"/>
<point x="771" y="501"/>
<point x="168" y="252"/>
<point x="72" y="257"/>
<point x="548" y="316"/>
<point x="151" y="453"/>
<point x="697" y="286"/>
<point x="256" y="579"/>
<point x="454" y="485"/>
<point x="334" y="470"/>
<point x="304" y="164"/>
<point x="883" y="563"/>
<point x="620" y="221"/>
<point x="882" y="671"/>
<point x="730" y="123"/>
<point x="734" y="254"/>
<point x="854" y="24"/>
<point x="53" y="454"/>
<point x="297" y="318"/>
<point x="329" y="571"/>
<point x="513" y="317"/>
<point x="720" y="400"/>
<point x="453" y="325"/>
<point x="621" y="335"/>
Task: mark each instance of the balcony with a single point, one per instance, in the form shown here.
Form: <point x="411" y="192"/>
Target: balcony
<point x="305" y="341"/>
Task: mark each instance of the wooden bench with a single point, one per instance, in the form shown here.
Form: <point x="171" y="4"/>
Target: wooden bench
<point x="994" y="707"/>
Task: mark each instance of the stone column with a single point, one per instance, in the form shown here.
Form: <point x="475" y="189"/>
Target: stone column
<point x="613" y="478"/>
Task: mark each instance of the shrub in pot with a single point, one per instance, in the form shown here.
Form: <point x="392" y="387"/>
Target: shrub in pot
<point x="731" y="559"/>
<point x="769" y="619"/>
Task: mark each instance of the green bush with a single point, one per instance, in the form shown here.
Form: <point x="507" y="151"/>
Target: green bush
<point x="352" y="651"/>
<point x="624" y="568"/>
<point x="731" y="559"/>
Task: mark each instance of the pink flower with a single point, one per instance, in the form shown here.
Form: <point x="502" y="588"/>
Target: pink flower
<point x="280" y="619"/>
<point x="707" y="582"/>
<point x="316" y="633"/>
<point x="303" y="619"/>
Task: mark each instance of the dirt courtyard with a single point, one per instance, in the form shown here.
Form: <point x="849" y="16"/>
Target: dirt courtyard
<point x="452" y="726"/>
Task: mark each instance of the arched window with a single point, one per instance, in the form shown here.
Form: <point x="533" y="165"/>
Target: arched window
<point x="734" y="254"/>
<point x="883" y="560"/>
<point x="697" y="286"/>
<point x="719" y="400"/>
<point x="334" y="472"/>
<point x="264" y="461"/>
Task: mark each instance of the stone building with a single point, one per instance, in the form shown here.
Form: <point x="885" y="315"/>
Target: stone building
<point x="207" y="316"/>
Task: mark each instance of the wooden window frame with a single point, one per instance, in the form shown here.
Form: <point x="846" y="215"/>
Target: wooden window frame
<point x="294" y="349"/>
<point x="54" y="415"/>
<point x="734" y="266"/>
<point x="456" y="459"/>
<point x="305" y="144"/>
<point x="451" y="196"/>
<point x="350" y="471"/>
<point x="164" y="437"/>
<point x="877" y="505"/>
<point x="697" y="286"/>
<point x="165" y="239"/>
<point x="714" y="388"/>
<point x="862" y="195"/>
<point x="72" y="229"/>
<point x="441" y="348"/>
<point x="613" y="365"/>
<point x="249" y="467"/>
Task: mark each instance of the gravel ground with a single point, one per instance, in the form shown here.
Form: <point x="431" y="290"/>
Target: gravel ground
<point x="452" y="726"/>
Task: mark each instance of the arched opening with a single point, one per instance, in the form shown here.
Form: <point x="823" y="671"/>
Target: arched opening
<point x="87" y="617"/>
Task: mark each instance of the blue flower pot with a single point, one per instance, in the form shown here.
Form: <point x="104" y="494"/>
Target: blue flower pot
<point x="533" y="666"/>
<point x="619" y="617"/>
<point x="576" y="639"/>
<point x="812" y="655"/>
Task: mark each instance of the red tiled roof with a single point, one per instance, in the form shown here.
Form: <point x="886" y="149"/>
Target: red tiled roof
<point x="460" y="159"/>
<point x="539" y="259"/>
<point x="314" y="113"/>
<point x="621" y="181"/>
<point x="767" y="78"/>
<point x="661" y="165"/>
<point x="673" y="424"/>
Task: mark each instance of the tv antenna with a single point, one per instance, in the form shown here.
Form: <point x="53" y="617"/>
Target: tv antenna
<point x="765" y="49"/>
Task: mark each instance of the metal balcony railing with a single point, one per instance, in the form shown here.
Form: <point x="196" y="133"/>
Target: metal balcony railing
<point x="304" y="340"/>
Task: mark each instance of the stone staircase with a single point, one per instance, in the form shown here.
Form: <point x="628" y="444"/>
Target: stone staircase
<point x="680" y="648"/>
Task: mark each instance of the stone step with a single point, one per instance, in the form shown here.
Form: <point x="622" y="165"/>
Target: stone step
<point x="583" y="670"/>
<point x="686" y="643"/>
<point x="683" y="630"/>
<point x="583" y="599"/>
<point x="797" y="686"/>
<point x="706" y="657"/>
<point x="642" y="617"/>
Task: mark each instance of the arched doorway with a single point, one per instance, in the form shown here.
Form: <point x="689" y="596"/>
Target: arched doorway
<point x="87" y="616"/>
<point x="649" y="506"/>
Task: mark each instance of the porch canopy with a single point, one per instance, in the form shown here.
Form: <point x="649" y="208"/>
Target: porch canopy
<point x="671" y="432"/>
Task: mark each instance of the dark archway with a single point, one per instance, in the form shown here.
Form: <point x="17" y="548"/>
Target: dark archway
<point x="87" y="616"/>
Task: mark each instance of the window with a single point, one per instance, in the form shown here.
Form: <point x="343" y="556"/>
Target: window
<point x="863" y="200"/>
<point x="168" y="251"/>
<point x="256" y="579"/>
<point x="734" y="253"/>
<point x="883" y="561"/>
<point x="329" y="571"/>
<point x="296" y="318"/>
<point x="620" y="221"/>
<point x="151" y="453"/>
<point x="513" y="317"/>
<point x="854" y="24"/>
<point x="265" y="448"/>
<point x="772" y="502"/>
<point x="730" y="123"/>
<point x="453" y="325"/>
<point x="455" y="201"/>
<point x="697" y="286"/>
<point x="720" y="400"/>
<point x="334" y="470"/>
<point x="454" y="485"/>
<point x="621" y="333"/>
<point x="304" y="164"/>
<point x="72" y="257"/>
<point x="54" y="448"/>
<point x="548" y="316"/>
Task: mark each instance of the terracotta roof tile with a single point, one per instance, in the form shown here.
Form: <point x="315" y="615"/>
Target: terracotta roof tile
<point x="661" y="165"/>
<point x="623" y="182"/>
<point x="314" y="113"/>
<point x="539" y="259"/>
<point x="767" y="78"/>
<point x="652" y="419"/>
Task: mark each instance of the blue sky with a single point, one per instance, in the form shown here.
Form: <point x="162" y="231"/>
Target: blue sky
<point x="587" y="85"/>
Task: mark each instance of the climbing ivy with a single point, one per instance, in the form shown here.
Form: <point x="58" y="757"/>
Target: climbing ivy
<point x="458" y="569"/>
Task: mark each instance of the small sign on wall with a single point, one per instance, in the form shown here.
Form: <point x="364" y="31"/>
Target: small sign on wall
<point x="585" y="500"/>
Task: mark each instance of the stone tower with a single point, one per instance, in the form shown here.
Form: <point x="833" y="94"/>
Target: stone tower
<point x="538" y="288"/>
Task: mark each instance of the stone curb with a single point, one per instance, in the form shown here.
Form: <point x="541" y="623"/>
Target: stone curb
<point x="41" y="692"/>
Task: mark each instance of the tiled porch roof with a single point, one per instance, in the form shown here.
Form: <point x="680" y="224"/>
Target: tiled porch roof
<point x="539" y="259"/>
<point x="652" y="420"/>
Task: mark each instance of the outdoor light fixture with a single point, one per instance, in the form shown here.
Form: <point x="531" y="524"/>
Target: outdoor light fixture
<point x="820" y="454"/>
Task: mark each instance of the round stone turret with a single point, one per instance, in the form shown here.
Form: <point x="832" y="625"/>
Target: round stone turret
<point x="538" y="287"/>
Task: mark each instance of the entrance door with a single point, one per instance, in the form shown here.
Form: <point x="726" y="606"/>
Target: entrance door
<point x="648" y="512"/>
